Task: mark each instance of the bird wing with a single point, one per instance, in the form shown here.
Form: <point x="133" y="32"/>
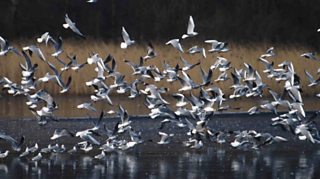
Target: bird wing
<point x="190" y="26"/>
<point x="125" y="35"/>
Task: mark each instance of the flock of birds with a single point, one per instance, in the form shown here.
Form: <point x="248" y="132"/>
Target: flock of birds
<point x="192" y="112"/>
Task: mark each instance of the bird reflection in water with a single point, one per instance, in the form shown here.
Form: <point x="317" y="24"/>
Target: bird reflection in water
<point x="220" y="160"/>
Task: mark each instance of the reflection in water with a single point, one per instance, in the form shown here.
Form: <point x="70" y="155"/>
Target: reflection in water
<point x="213" y="162"/>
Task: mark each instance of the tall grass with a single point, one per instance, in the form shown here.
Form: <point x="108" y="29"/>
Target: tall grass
<point x="239" y="53"/>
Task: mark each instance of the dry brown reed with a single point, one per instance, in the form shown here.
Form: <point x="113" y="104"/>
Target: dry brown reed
<point x="239" y="53"/>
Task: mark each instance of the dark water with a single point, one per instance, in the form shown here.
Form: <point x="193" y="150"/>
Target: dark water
<point x="172" y="162"/>
<point x="293" y="159"/>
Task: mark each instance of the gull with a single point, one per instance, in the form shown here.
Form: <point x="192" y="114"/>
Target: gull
<point x="313" y="82"/>
<point x="267" y="138"/>
<point x="297" y="107"/>
<point x="25" y="153"/>
<point x="270" y="107"/>
<point x="36" y="50"/>
<point x="57" y="46"/>
<point x="34" y="148"/>
<point x="65" y="86"/>
<point x="101" y="156"/>
<point x="58" y="133"/>
<point x="126" y="38"/>
<point x="278" y="99"/>
<point x="175" y="43"/>
<point x="58" y="149"/>
<point x="206" y="77"/>
<point x="5" y="47"/>
<point x="196" y="49"/>
<point x="86" y="147"/>
<point x="4" y="154"/>
<point x="222" y="63"/>
<point x="92" y="1"/>
<point x="178" y="123"/>
<point x="269" y="53"/>
<point x="190" y="30"/>
<point x="47" y="149"/>
<point x="87" y="136"/>
<point x="45" y="96"/>
<point x="37" y="157"/>
<point x="186" y="65"/>
<point x="150" y="53"/>
<point x="187" y="83"/>
<point x="124" y="145"/>
<point x="134" y="92"/>
<point x="72" y="26"/>
<point x="45" y="37"/>
<point x="28" y="69"/>
<point x="165" y="138"/>
<point x="152" y="103"/>
<point x="125" y="122"/>
<point x="180" y="99"/>
<point x="268" y="65"/>
<point x="74" y="64"/>
<point x="73" y="150"/>
<point x="222" y="77"/>
<point x="118" y="79"/>
<point x="217" y="46"/>
<point x="304" y="133"/>
<point x="254" y="110"/>
<point x="236" y="81"/>
<point x="87" y="106"/>
<point x="310" y="55"/>
<point x="318" y="30"/>
<point x="15" y="145"/>
<point x="47" y="77"/>
<point x="135" y="136"/>
<point x="170" y="72"/>
<point x="29" y="150"/>
<point x="218" y="95"/>
<point x="194" y="143"/>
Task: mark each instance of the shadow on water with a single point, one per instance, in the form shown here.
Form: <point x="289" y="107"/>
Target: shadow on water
<point x="170" y="163"/>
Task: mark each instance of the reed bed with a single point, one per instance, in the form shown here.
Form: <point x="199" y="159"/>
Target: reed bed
<point x="239" y="54"/>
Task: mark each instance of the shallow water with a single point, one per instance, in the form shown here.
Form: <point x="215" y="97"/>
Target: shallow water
<point x="212" y="162"/>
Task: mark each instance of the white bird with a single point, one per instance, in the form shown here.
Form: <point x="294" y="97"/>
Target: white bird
<point x="126" y="38"/>
<point x="88" y="106"/>
<point x="165" y="138"/>
<point x="190" y="30"/>
<point x="4" y="154"/>
<point x="196" y="49"/>
<point x="313" y="82"/>
<point x="36" y="50"/>
<point x="5" y="47"/>
<point x="217" y="46"/>
<point x="309" y="55"/>
<point x="269" y="53"/>
<point x="44" y="38"/>
<point x="101" y="156"/>
<point x="176" y="44"/>
<point x="57" y="46"/>
<point x="72" y="26"/>
<point x="150" y="53"/>
<point x="37" y="157"/>
<point x="92" y="1"/>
